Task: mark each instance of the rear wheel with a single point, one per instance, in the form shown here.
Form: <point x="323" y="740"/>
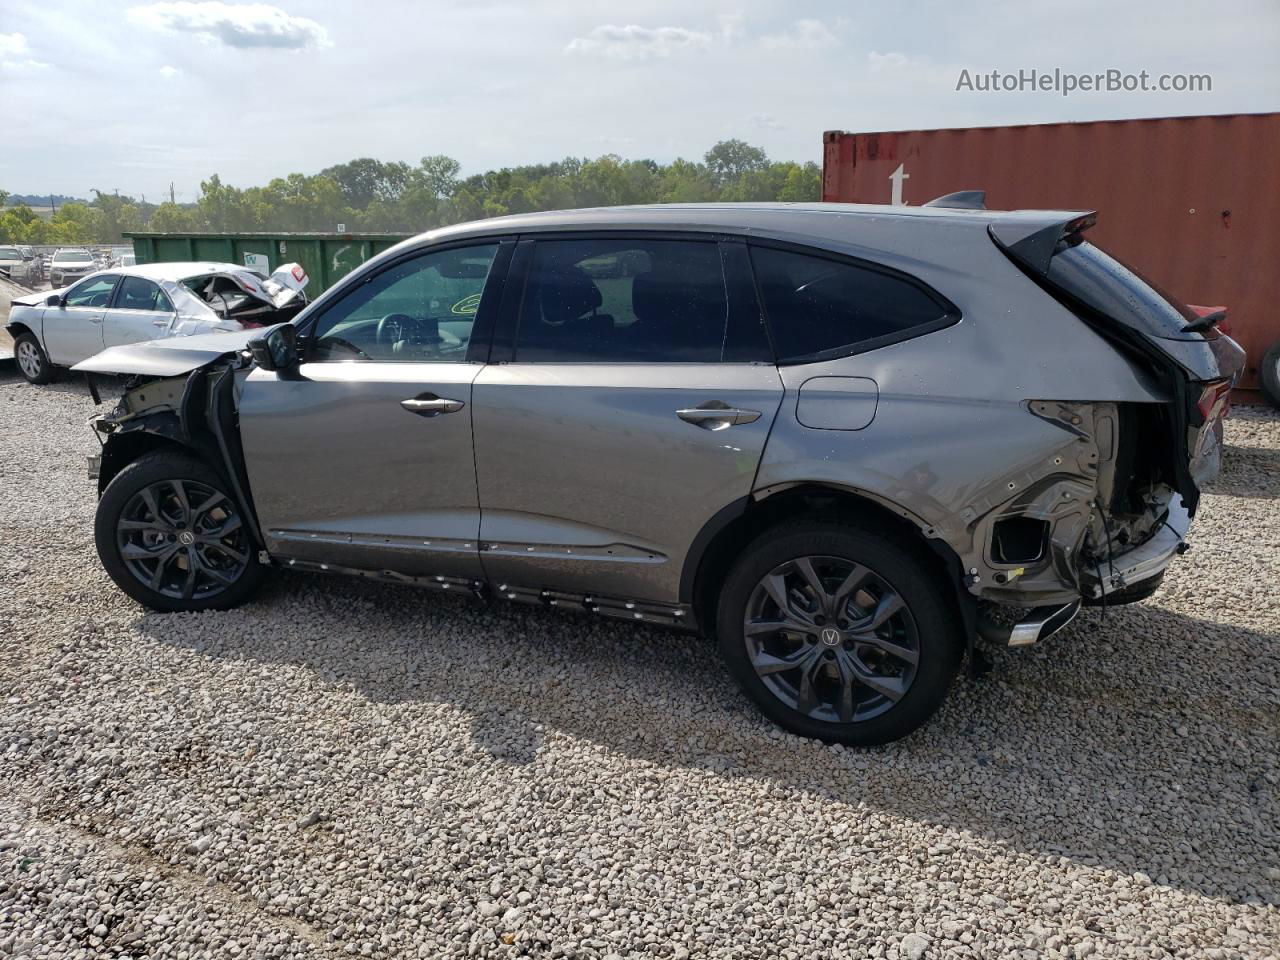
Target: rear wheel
<point x="33" y="362"/>
<point x="838" y="633"/>
<point x="1269" y="374"/>
<point x="170" y="536"/>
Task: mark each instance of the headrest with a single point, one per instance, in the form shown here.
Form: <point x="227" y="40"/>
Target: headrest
<point x="567" y="293"/>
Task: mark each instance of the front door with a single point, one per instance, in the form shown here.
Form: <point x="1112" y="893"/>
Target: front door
<point x="73" y="331"/>
<point x="633" y="406"/>
<point x="363" y="457"/>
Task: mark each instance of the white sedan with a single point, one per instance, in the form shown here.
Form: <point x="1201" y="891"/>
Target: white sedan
<point x="147" y="302"/>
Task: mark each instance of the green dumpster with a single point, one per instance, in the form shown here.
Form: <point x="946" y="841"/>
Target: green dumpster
<point x="327" y="257"/>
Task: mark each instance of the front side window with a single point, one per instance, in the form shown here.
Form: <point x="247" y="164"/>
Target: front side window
<point x="137" y="293"/>
<point x="820" y="309"/>
<point x="623" y="301"/>
<point x="419" y="310"/>
<point x="94" y="292"/>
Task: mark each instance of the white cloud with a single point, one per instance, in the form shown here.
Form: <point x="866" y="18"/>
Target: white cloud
<point x="803" y="35"/>
<point x="234" y="24"/>
<point x="169" y="72"/>
<point x="639" y="43"/>
<point x="15" y="53"/>
<point x="764" y="121"/>
<point x="879" y="62"/>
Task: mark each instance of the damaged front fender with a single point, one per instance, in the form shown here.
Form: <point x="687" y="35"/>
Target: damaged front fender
<point x="196" y="412"/>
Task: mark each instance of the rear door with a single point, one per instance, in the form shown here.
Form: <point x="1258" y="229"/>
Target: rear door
<point x="140" y="311"/>
<point x="631" y="395"/>
<point x="73" y="331"/>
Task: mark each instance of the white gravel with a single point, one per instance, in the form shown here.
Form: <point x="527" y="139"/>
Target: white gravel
<point x="346" y="768"/>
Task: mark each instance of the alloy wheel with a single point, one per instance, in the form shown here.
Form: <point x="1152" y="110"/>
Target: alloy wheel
<point x="29" y="359"/>
<point x="831" y="639"/>
<point x="183" y="539"/>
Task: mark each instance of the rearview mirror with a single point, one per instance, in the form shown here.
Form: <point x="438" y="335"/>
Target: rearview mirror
<point x="278" y="350"/>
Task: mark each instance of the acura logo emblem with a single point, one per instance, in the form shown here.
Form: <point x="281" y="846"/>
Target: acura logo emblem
<point x="830" y="636"/>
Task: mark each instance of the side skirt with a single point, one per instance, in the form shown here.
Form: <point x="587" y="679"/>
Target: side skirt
<point x="675" y="616"/>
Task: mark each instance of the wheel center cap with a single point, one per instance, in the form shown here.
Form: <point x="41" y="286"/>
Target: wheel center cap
<point x="186" y="538"/>
<point x="830" y="636"/>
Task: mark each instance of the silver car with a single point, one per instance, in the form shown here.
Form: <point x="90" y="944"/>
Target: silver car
<point x="19" y="264"/>
<point x="846" y="441"/>
<point x="57" y="329"/>
<point x="69" y="265"/>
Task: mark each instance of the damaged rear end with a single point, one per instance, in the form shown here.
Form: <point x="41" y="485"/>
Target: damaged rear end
<point x="1115" y="510"/>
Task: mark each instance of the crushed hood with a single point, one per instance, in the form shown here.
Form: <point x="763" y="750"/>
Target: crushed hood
<point x="171" y="357"/>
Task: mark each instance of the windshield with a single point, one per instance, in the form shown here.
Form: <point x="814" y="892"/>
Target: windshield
<point x="71" y="256"/>
<point x="9" y="253"/>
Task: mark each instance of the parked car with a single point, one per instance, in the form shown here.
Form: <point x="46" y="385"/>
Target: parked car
<point x="153" y="301"/>
<point x="69" y="265"/>
<point x="18" y="265"/>
<point x="838" y="438"/>
<point x="126" y="259"/>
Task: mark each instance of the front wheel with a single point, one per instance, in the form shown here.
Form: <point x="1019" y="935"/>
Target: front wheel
<point x="171" y="536"/>
<point x="33" y="362"/>
<point x="838" y="633"/>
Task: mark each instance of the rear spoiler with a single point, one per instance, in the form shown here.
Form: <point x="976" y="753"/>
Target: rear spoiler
<point x="1034" y="242"/>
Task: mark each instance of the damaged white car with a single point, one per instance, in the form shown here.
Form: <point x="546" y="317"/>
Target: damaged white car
<point x="149" y="302"/>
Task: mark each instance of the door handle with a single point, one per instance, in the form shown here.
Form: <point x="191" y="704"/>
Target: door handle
<point x="97" y="319"/>
<point x="715" y="415"/>
<point x="431" y="406"/>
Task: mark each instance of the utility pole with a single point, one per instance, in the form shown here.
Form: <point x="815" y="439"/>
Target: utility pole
<point x="53" y="203"/>
<point x="171" y="200"/>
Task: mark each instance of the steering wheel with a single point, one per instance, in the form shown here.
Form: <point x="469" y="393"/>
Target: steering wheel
<point x="392" y="327"/>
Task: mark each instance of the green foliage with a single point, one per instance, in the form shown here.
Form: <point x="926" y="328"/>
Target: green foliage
<point x="380" y="197"/>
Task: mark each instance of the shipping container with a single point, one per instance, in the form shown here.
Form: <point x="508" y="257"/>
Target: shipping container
<point x="327" y="257"/>
<point x="1191" y="202"/>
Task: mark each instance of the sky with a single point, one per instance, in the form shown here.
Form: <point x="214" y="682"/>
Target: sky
<point x="130" y="96"/>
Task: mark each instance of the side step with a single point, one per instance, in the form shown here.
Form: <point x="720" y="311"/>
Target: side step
<point x="1038" y="624"/>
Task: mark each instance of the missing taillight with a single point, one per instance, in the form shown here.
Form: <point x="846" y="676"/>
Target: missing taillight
<point x="1019" y="540"/>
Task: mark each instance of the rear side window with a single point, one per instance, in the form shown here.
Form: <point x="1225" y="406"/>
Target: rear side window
<point x="137" y="293"/>
<point x="603" y="300"/>
<point x="820" y="309"/>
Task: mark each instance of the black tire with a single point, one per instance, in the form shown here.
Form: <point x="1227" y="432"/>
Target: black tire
<point x="149" y="519"/>
<point x="1269" y="374"/>
<point x="33" y="362"/>
<point x="926" y="627"/>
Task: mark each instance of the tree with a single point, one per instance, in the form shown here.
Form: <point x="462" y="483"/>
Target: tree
<point x="171" y="218"/>
<point x="730" y="159"/>
<point x="116" y="215"/>
<point x="365" y="180"/>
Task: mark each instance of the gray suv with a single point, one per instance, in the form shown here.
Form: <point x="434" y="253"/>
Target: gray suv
<point x="845" y="441"/>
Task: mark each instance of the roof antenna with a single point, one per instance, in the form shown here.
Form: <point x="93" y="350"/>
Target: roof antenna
<point x="961" y="200"/>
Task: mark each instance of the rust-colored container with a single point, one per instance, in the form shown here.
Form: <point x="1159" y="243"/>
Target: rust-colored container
<point x="1191" y="202"/>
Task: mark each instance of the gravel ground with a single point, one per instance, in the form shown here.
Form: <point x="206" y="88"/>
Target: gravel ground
<point x="326" y="772"/>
